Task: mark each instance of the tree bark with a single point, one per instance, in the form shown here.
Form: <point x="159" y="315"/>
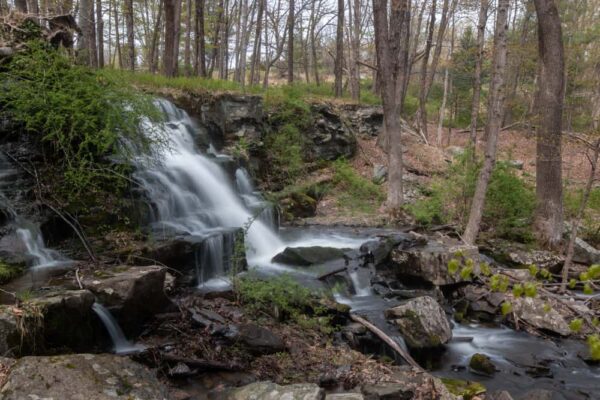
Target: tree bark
<point x="391" y="44"/>
<point x="339" y="51"/>
<point x="290" y="49"/>
<point x="187" y="50"/>
<point x="353" y="68"/>
<point x="21" y="5"/>
<point x="200" y="44"/>
<point x="494" y="122"/>
<point x="422" y="113"/>
<point x="100" y="33"/>
<point x="550" y="98"/>
<point x="481" y="22"/>
<point x="313" y="43"/>
<point x="155" y="37"/>
<point x="255" y="63"/>
<point x="130" y="34"/>
<point x="87" y="52"/>
<point x="117" y="36"/>
<point x="171" y="37"/>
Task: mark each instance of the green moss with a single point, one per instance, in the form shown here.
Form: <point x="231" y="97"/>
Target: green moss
<point x="467" y="389"/>
<point x="482" y="364"/>
<point x="9" y="272"/>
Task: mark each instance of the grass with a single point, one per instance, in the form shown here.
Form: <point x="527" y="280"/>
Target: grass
<point x="354" y="192"/>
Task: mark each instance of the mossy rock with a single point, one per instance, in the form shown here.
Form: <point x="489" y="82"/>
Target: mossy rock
<point x="466" y="389"/>
<point x="481" y="364"/>
<point x="8" y="272"/>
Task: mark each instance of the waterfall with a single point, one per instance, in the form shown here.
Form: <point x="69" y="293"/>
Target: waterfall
<point x="190" y="191"/>
<point x="254" y="200"/>
<point x="120" y="343"/>
<point x="42" y="256"/>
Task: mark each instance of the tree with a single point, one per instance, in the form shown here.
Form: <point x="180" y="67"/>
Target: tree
<point x="422" y="113"/>
<point x="87" y="52"/>
<point x="339" y="51"/>
<point x="100" y="33"/>
<point x="481" y="22"/>
<point x="130" y="34"/>
<point x="21" y="5"/>
<point x="391" y="41"/>
<point x="200" y="41"/>
<point x="290" y="49"/>
<point x="550" y="98"/>
<point x="172" y="9"/>
<point x="494" y="122"/>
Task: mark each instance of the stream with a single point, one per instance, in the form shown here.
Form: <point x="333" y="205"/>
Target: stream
<point x="193" y="195"/>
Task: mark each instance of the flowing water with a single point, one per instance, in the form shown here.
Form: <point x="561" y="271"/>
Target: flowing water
<point x="120" y="343"/>
<point x="194" y="196"/>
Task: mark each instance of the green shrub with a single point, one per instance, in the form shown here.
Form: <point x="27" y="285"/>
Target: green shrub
<point x="282" y="297"/>
<point x="79" y="116"/>
<point x="509" y="205"/>
<point x="355" y="193"/>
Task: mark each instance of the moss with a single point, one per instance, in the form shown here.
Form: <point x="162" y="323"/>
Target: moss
<point x="9" y="272"/>
<point x="482" y="364"/>
<point x="467" y="389"/>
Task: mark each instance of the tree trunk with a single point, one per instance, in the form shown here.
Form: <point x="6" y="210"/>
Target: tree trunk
<point x="200" y="46"/>
<point x="339" y="51"/>
<point x="353" y="68"/>
<point x="100" y="33"/>
<point x="130" y="34"/>
<point x="33" y="7"/>
<point x="171" y="38"/>
<point x="290" y="49"/>
<point x="117" y="36"/>
<point x="550" y="98"/>
<point x="21" y="5"/>
<point x="482" y="21"/>
<point x="494" y="122"/>
<point x="584" y="200"/>
<point x="87" y="45"/>
<point x="392" y="54"/>
<point x="422" y="113"/>
<point x="187" y="50"/>
<point x="155" y="37"/>
<point x="255" y="63"/>
<point x="313" y="44"/>
<point x="224" y="42"/>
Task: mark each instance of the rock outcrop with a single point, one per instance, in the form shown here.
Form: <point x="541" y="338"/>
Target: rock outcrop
<point x="422" y="322"/>
<point x="306" y="256"/>
<point x="535" y="313"/>
<point x="132" y="294"/>
<point x="272" y="391"/>
<point x="79" y="377"/>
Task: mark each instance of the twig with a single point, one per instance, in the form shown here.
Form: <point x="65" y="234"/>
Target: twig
<point x="388" y="340"/>
<point x="78" y="280"/>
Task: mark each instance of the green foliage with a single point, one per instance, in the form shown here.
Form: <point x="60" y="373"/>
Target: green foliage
<point x="506" y="308"/>
<point x="518" y="290"/>
<point x="572" y="283"/>
<point x="576" y="325"/>
<point x="79" y="116"/>
<point x="533" y="270"/>
<point x="485" y="268"/>
<point x="530" y="289"/>
<point x="282" y="296"/>
<point x="355" y="193"/>
<point x="509" y="202"/>
<point x="9" y="272"/>
<point x="453" y="265"/>
<point x="593" y="342"/>
<point x="499" y="283"/>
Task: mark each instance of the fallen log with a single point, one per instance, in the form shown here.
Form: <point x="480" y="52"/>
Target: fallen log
<point x="388" y="340"/>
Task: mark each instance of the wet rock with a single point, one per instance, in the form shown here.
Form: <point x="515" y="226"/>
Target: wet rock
<point x="132" y="294"/>
<point x="330" y="138"/>
<point x="429" y="262"/>
<point x="387" y="391"/>
<point x="256" y="339"/>
<point x="481" y="303"/>
<point x="499" y="395"/>
<point x="481" y="364"/>
<point x="422" y="322"/>
<point x="535" y="313"/>
<point x="585" y="253"/>
<point x="306" y="256"/>
<point x="272" y="391"/>
<point x="541" y="394"/>
<point x="344" y="396"/>
<point x="81" y="376"/>
<point x="379" y="249"/>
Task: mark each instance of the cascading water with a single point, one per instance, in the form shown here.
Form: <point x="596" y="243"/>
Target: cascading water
<point x="120" y="343"/>
<point x="42" y="257"/>
<point x="191" y="192"/>
<point x="253" y="200"/>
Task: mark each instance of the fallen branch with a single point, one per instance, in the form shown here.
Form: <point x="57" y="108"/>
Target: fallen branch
<point x="330" y="273"/>
<point x="388" y="340"/>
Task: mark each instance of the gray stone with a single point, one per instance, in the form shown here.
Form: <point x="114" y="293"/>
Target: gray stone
<point x="533" y="311"/>
<point x="345" y="396"/>
<point x="380" y="173"/>
<point x="517" y="164"/>
<point x="306" y="256"/>
<point x="585" y="253"/>
<point x="132" y="294"/>
<point x="422" y="322"/>
<point x="272" y="391"/>
<point x="81" y="377"/>
<point x="6" y="51"/>
<point x="541" y="394"/>
<point x="481" y="364"/>
<point x="256" y="339"/>
<point x="387" y="391"/>
<point x="330" y="138"/>
<point x="430" y="262"/>
<point x="499" y="395"/>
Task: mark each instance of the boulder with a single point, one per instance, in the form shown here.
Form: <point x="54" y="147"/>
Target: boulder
<point x="81" y="377"/>
<point x="380" y="173"/>
<point x="330" y="138"/>
<point x="345" y="396"/>
<point x="585" y="253"/>
<point x="535" y="313"/>
<point x="306" y="256"/>
<point x="257" y="340"/>
<point x="388" y="391"/>
<point x="408" y="381"/>
<point x="519" y="255"/>
<point x="422" y="322"/>
<point x="429" y="262"/>
<point x="481" y="364"/>
<point x="132" y="294"/>
<point x="272" y="391"/>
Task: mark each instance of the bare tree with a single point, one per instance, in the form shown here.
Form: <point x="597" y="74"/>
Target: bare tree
<point x="339" y="51"/>
<point x="200" y="44"/>
<point x="172" y="12"/>
<point x="290" y="49"/>
<point x="155" y="37"/>
<point x="21" y="5"/>
<point x="87" y="51"/>
<point x="391" y="41"/>
<point x="100" y="33"/>
<point x="481" y="22"/>
<point x="550" y="98"/>
<point x="254" y="67"/>
<point x="422" y="112"/>
<point x="130" y="34"/>
<point x="354" y="38"/>
<point x="494" y="122"/>
<point x="187" y="49"/>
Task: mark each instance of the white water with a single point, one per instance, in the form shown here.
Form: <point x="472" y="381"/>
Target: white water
<point x="42" y="256"/>
<point x="191" y="192"/>
<point x="120" y="343"/>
